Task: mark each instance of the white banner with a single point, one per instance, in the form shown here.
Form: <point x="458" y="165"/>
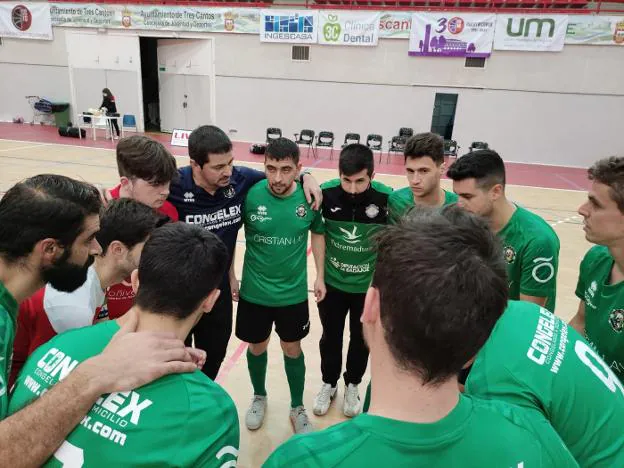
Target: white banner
<point x="452" y="35"/>
<point x="180" y="137"/>
<point x="348" y="28"/>
<point x="595" y="30"/>
<point x="25" y="20"/>
<point x="543" y="33"/>
<point x="395" y="24"/>
<point x="299" y="27"/>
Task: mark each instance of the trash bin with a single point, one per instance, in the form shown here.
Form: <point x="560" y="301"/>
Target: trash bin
<point x="61" y="118"/>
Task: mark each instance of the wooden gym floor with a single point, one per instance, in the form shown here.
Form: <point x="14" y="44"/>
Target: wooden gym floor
<point x="94" y="162"/>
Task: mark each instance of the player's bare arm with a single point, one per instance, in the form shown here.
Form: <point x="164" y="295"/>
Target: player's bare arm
<point x="312" y="190"/>
<point x="540" y="301"/>
<point x="29" y="437"/>
<point x="578" y="321"/>
<point x="318" y="252"/>
<point x="234" y="284"/>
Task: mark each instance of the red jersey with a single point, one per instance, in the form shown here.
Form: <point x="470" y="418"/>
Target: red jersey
<point x="49" y="312"/>
<point x="120" y="297"/>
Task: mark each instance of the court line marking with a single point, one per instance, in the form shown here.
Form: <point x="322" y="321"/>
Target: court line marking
<point x="21" y="147"/>
<point x="315" y="165"/>
<point x="569" y="219"/>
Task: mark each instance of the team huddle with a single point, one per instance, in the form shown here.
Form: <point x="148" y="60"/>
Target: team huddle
<point x="450" y="295"/>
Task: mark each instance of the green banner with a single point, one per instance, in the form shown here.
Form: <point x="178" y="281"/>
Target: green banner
<point x="595" y="30"/>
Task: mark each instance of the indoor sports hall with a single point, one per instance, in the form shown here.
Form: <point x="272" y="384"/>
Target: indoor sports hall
<point x="541" y="82"/>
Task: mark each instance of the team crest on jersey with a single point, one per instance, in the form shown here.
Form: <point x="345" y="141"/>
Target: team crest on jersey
<point x="229" y="192"/>
<point x="616" y="320"/>
<point x="372" y="210"/>
<point x="301" y="211"/>
<point x="510" y="254"/>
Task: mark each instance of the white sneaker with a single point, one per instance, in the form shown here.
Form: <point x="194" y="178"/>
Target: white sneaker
<point x="323" y="399"/>
<point x="352" y="405"/>
<point x="300" y="421"/>
<point x="255" y="413"/>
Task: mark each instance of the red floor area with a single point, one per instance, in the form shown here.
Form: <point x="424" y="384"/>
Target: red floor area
<point x="517" y="174"/>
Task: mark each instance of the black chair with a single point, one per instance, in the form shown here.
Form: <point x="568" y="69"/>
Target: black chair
<point x="396" y="145"/>
<point x="306" y="137"/>
<point x="325" y="140"/>
<point x="451" y="148"/>
<point x="406" y="132"/>
<point x="478" y="145"/>
<point x="375" y="142"/>
<point x="273" y="133"/>
<point x="351" y="138"/>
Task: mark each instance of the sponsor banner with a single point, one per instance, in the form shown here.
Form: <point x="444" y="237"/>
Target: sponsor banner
<point x="25" y="20"/>
<point x="542" y="33"/>
<point x="451" y="35"/>
<point x="348" y="28"/>
<point x="180" y="137"/>
<point x="395" y="24"/>
<point x="289" y="26"/>
<point x="596" y="30"/>
<point x="152" y="17"/>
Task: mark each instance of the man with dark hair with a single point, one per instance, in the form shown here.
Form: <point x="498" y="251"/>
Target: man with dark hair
<point x="354" y="209"/>
<point x="48" y="225"/>
<point x="184" y="418"/>
<point x="146" y="169"/>
<point x="274" y="287"/>
<point x="210" y="193"/>
<point x="424" y="166"/>
<point x="530" y="244"/>
<point x="535" y="360"/>
<point x="438" y="289"/>
<point x="124" y="227"/>
<point x="600" y="286"/>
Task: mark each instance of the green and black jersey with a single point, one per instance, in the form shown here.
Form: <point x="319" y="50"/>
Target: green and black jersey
<point x="350" y="223"/>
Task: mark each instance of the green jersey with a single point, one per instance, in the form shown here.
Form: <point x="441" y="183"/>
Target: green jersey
<point x="535" y="360"/>
<point x="531" y="249"/>
<point x="513" y="438"/>
<point x="604" y="307"/>
<point x="276" y="232"/>
<point x="350" y="224"/>
<point x="178" y="420"/>
<point x="400" y="201"/>
<point x="8" y="320"/>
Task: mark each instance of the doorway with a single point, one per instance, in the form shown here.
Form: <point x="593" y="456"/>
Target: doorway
<point x="443" y="118"/>
<point x="149" y="74"/>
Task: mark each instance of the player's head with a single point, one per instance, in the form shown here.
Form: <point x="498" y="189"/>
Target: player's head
<point x="107" y="93"/>
<point x="146" y="169"/>
<point x="210" y="150"/>
<point x="603" y="212"/>
<point x="180" y="270"/>
<point x="356" y="167"/>
<point x="281" y="165"/>
<point x="440" y="285"/>
<point x="479" y="181"/>
<point x="124" y="228"/>
<point x="424" y="163"/>
<point x="48" y="223"/>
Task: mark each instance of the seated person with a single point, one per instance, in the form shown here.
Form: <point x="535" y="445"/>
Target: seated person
<point x="181" y="419"/>
<point x="439" y="287"/>
<point x="124" y="228"/>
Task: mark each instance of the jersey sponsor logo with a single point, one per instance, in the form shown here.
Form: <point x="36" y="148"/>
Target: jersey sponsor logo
<point x="616" y="320"/>
<point x="274" y="240"/>
<point x="335" y="209"/>
<point x="509" y="254"/>
<point x="189" y="197"/>
<point x="543" y="271"/>
<point x="229" y="192"/>
<point x="301" y="211"/>
<point x="104" y="431"/>
<point x="260" y="214"/>
<point x="117" y="406"/>
<point x="590" y="293"/>
<point x="372" y="210"/>
<point x="541" y="349"/>
<point x="217" y="220"/>
<point x="225" y="451"/>
<point x="351" y="237"/>
<point x="55" y="363"/>
<point x="349" y="268"/>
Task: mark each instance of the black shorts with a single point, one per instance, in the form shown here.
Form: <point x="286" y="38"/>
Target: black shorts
<point x="254" y="322"/>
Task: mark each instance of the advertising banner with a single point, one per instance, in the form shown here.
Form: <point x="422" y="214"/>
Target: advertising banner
<point x="25" y="20"/>
<point x="452" y="35"/>
<point x="542" y="33"/>
<point x="289" y="26"/>
<point x="143" y="17"/>
<point x="348" y="28"/>
<point x="180" y="137"/>
<point x="595" y="30"/>
<point x="395" y="24"/>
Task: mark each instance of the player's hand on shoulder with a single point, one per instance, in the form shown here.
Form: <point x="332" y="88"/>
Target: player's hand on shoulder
<point x="133" y="359"/>
<point x="313" y="192"/>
